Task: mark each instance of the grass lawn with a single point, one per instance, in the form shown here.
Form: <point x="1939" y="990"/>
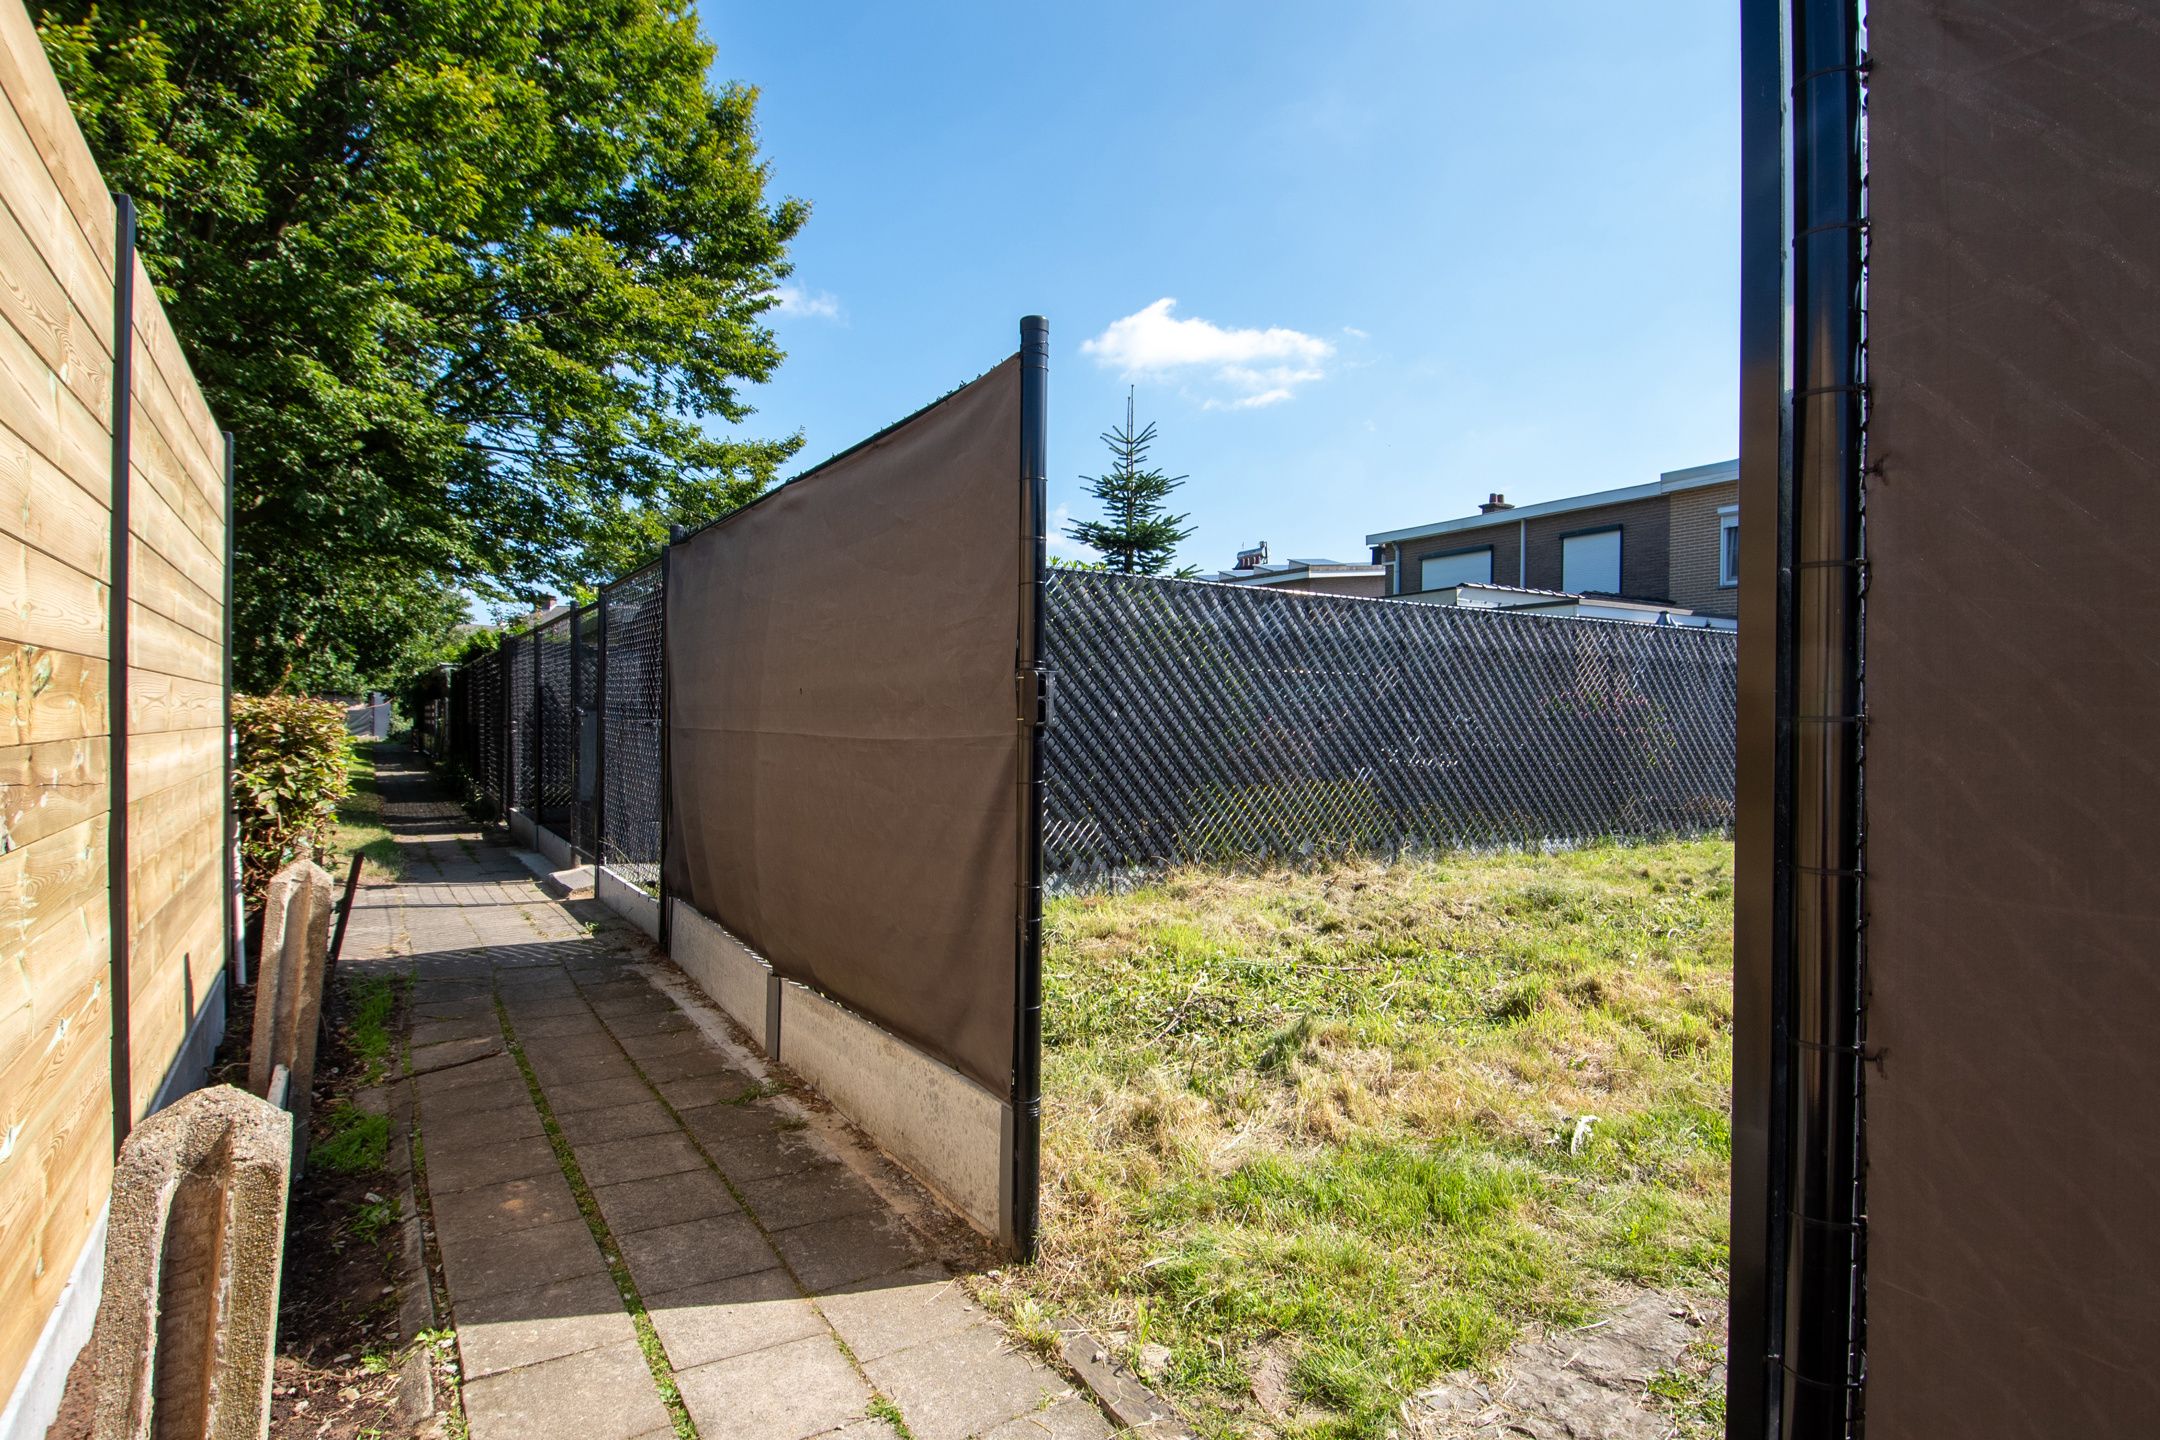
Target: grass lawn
<point x="360" y="829"/>
<point x="1354" y="1127"/>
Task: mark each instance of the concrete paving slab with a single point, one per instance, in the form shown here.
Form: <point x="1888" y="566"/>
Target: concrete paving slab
<point x="595" y="1095"/>
<point x="958" y="1385"/>
<point x="494" y="1209"/>
<point x="496" y="1070"/>
<point x="838" y="1252"/>
<point x="750" y="1142"/>
<point x="895" y="1311"/>
<point x="686" y="1064"/>
<point x="580" y="1070"/>
<point x="1072" y="1418"/>
<point x="718" y="1086"/>
<point x="427" y="1032"/>
<point x="787" y="1392"/>
<point x="642" y="1117"/>
<point x="602" y="1394"/>
<point x="547" y="1349"/>
<point x="806" y="1196"/>
<point x="576" y="1023"/>
<point x="525" y="1327"/>
<point x="443" y="1055"/>
<point x="478" y="1265"/>
<point x="637" y="1157"/>
<point x="696" y="1252"/>
<point x="704" y="1323"/>
<point x="664" y="1200"/>
<point x="456" y="1127"/>
<point x="462" y="1168"/>
<point x="584" y="1045"/>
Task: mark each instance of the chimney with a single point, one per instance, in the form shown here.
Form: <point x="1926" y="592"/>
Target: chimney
<point x="1496" y="501"/>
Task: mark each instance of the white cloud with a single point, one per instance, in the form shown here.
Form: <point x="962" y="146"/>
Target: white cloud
<point x="1060" y="543"/>
<point x="1249" y="368"/>
<point x="813" y="304"/>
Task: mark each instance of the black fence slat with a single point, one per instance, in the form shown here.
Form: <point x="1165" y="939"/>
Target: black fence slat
<point x="1202" y="722"/>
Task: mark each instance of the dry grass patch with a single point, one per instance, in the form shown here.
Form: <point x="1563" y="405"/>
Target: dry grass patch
<point x="1327" y="1135"/>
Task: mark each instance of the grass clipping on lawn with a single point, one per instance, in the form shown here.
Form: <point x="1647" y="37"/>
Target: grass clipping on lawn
<point x="1348" y="1129"/>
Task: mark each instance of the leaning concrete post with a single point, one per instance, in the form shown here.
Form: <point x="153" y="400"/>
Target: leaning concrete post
<point x="289" y="982"/>
<point x="188" y="1320"/>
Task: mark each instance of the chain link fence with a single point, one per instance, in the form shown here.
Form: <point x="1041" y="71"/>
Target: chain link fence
<point x="630" y="735"/>
<point x="1201" y="722"/>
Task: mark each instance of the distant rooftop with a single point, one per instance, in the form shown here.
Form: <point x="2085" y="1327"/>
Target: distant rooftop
<point x="1496" y="511"/>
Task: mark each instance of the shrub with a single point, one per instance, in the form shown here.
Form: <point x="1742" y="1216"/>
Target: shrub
<point x="288" y="777"/>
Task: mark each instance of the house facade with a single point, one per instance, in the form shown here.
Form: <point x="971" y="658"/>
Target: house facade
<point x="1673" y="542"/>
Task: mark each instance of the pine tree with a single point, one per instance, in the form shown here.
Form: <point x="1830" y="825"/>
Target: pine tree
<point x="1135" y="535"/>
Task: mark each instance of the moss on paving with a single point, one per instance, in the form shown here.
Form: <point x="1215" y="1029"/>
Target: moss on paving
<point x="648" y="1337"/>
<point x="1381" y="1116"/>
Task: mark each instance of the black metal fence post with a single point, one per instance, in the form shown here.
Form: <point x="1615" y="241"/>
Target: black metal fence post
<point x="119" y="936"/>
<point x="598" y="803"/>
<point x="1027" y="988"/>
<point x="667" y="771"/>
<point x="235" y="959"/>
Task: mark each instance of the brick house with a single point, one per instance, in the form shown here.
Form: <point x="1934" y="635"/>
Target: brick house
<point x="1672" y="542"/>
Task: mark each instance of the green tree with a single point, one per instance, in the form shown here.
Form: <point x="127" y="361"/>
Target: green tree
<point x="475" y="283"/>
<point x="1137" y="535"/>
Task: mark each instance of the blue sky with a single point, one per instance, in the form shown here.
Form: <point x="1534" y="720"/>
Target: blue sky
<point x="1365" y="263"/>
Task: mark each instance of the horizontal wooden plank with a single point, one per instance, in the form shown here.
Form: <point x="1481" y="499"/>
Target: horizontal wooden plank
<point x="158" y="703"/>
<point x="152" y="520"/>
<point x="50" y="695"/>
<point x="46" y="603"/>
<point x="44" y="884"/>
<point x="76" y="346"/>
<point x="157" y="872"/>
<point x="205" y="447"/>
<point x="57" y="1169"/>
<point x="38" y="102"/>
<point x="49" y="787"/>
<point x="187" y="935"/>
<point x="35" y="1080"/>
<point x="27" y="191"/>
<point x="158" y="1021"/>
<point x="161" y="439"/>
<point x="160" y="761"/>
<point x="154" y="584"/>
<point x="51" y="418"/>
<point x="44" y="509"/>
<point x="156" y="643"/>
<point x="43" y="985"/>
<point x="169" y="817"/>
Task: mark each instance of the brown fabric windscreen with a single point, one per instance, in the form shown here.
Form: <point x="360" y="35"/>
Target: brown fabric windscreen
<point x="843" y="726"/>
<point x="2013" y="675"/>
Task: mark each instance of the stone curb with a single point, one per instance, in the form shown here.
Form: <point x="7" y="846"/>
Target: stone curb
<point x="1129" y="1403"/>
<point x="416" y="1296"/>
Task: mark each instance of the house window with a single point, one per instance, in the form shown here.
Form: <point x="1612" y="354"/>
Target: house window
<point x="1728" y="545"/>
<point x="1590" y="563"/>
<point x="1457" y="567"/>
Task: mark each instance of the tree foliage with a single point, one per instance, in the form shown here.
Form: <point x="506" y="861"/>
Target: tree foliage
<point x="1137" y="535"/>
<point x="476" y="284"/>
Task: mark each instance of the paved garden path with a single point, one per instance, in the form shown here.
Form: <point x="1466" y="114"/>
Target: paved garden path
<point x="638" y="1235"/>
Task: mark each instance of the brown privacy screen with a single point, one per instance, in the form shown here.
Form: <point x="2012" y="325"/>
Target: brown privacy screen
<point x="844" y="736"/>
<point x="2013" y="678"/>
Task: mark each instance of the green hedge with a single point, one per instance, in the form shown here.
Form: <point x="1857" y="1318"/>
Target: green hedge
<point x="288" y="777"/>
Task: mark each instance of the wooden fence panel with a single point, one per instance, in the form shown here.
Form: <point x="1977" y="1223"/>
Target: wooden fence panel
<point x="59" y="960"/>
